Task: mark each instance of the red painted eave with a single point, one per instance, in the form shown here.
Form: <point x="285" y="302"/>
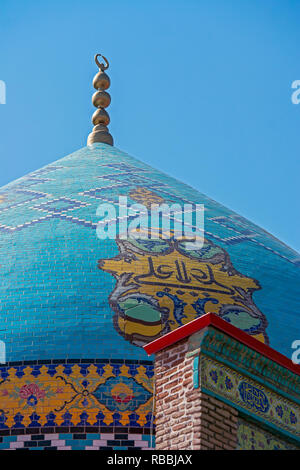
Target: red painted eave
<point x="210" y="319"/>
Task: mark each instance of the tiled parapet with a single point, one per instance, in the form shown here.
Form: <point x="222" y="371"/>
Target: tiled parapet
<point x="209" y="375"/>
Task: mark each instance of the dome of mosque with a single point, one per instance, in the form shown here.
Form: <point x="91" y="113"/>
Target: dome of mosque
<point x="85" y="285"/>
<point x="66" y="293"/>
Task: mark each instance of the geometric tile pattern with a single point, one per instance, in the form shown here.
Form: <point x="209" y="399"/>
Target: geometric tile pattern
<point x="60" y="205"/>
<point x="78" y="441"/>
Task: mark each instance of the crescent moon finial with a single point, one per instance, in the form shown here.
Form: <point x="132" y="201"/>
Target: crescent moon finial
<point x="101" y="66"/>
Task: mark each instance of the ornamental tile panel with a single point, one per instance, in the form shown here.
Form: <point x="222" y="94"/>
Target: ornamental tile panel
<point x="61" y="394"/>
<point x="250" y="396"/>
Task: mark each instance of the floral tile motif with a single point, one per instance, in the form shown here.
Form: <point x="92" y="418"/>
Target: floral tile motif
<point x="121" y="393"/>
<point x="64" y="394"/>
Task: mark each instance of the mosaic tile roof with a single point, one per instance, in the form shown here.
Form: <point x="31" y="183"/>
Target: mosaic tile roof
<point x="66" y="294"/>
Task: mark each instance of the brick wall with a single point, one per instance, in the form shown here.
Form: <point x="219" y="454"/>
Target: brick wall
<point x="187" y="418"/>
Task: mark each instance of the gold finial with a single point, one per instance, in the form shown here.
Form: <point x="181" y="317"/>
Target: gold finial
<point x="101" y="100"/>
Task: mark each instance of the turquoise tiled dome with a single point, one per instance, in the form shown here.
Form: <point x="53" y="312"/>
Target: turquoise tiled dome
<point x="58" y="301"/>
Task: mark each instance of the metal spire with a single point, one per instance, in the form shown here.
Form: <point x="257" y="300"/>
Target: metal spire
<point x="101" y="99"/>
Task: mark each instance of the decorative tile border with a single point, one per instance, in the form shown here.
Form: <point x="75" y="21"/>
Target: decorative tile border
<point x="227" y="350"/>
<point x="249" y="396"/>
<point x="69" y="393"/>
<point x="78" y="441"/>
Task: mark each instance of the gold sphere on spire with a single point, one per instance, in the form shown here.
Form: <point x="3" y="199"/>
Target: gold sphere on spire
<point x="101" y="81"/>
<point x="101" y="99"/>
<point x="100" y="116"/>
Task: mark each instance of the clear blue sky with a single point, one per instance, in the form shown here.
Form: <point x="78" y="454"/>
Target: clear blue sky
<point x="201" y="89"/>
